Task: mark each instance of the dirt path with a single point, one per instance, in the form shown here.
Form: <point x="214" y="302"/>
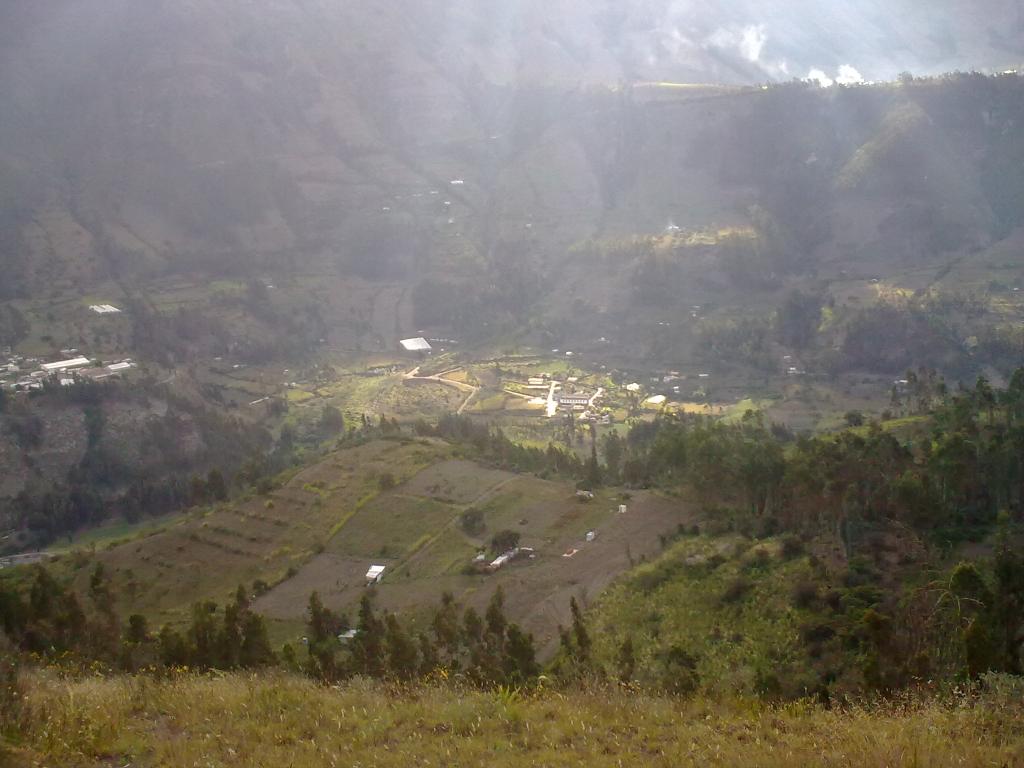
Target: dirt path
<point x="413" y="375"/>
<point x="410" y="559"/>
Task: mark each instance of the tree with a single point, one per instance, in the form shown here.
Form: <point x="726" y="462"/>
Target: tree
<point x="797" y="320"/>
<point x="138" y="629"/>
<point x="429" y="661"/>
<point x="402" y="656"/>
<point x="202" y="635"/>
<point x="216" y="488"/>
<point x="1013" y="397"/>
<point x="230" y="638"/>
<point x="520" y="659"/>
<point x="985" y="397"/>
<point x="368" y="645"/>
<point x="626" y="660"/>
<point x="255" y="650"/>
<point x="576" y="641"/>
<point x="472" y="522"/>
<point x="504" y="541"/>
<point x="473" y="627"/>
<point x="1008" y="606"/>
<point x="445" y="628"/>
<point x="173" y="649"/>
<point x="678" y="670"/>
<point x="854" y="419"/>
<point x="613" y="453"/>
<point x="592" y="470"/>
<point x="332" y="422"/>
<point x="494" y="618"/>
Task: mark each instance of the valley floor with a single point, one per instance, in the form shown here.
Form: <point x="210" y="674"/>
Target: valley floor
<point x="280" y="720"/>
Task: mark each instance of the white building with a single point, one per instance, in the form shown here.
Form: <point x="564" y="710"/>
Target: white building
<point x="418" y="344"/>
<point x="375" y="574"/>
<point x="66" y="365"/>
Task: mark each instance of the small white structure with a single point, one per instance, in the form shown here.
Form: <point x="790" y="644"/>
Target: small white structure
<point x="656" y="400"/>
<point x="634" y="387"/>
<point x="591" y="535"/>
<point x="509" y="556"/>
<point x="375" y="574"/>
<point x="65" y="365"/>
<point x="122" y="366"/>
<point x="573" y="401"/>
<point x="500" y="560"/>
<point x="418" y="344"/>
<point x="105" y="309"/>
<point x="347" y="635"/>
<point x="622" y="509"/>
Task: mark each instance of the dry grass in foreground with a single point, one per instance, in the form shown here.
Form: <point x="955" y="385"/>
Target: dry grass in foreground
<point x="281" y="720"/>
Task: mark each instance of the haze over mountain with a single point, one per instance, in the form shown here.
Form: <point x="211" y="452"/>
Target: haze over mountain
<point x="171" y="131"/>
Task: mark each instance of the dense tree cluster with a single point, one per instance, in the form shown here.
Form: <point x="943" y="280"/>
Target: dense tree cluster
<point x="187" y="452"/>
<point x="491" y="445"/>
<point x="53" y="621"/>
<point x="955" y="473"/>
<point x="485" y="650"/>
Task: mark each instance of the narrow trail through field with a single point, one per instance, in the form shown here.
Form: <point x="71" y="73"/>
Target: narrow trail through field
<point x="411" y="557"/>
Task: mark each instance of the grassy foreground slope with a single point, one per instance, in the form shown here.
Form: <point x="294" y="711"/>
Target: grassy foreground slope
<point x="281" y="720"/>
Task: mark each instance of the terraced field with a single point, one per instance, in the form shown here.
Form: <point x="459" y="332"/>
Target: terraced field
<point x="414" y="530"/>
<point x="396" y="503"/>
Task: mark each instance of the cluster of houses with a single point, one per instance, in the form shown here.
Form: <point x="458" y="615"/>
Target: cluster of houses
<point x="27" y="374"/>
<point x="482" y="565"/>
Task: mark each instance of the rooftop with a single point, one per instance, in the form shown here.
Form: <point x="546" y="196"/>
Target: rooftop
<point x="418" y="344"/>
<point x="75" y="362"/>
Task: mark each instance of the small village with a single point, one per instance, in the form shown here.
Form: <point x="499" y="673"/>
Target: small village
<point x="31" y="374"/>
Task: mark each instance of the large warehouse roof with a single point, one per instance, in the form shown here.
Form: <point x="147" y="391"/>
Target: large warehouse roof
<point x="416" y="345"/>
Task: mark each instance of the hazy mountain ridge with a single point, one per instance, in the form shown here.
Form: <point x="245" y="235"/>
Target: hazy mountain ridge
<point x="178" y="131"/>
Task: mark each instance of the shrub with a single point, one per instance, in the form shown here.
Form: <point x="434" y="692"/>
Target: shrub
<point x="757" y="560"/>
<point x="834" y="600"/>
<point x="805" y="595"/>
<point x="678" y="671"/>
<point x="813" y="634"/>
<point x="736" y="591"/>
<point x="503" y="541"/>
<point x="791" y="547"/>
<point x="472" y="522"/>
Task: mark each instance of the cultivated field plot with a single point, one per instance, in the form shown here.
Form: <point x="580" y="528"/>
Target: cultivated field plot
<point x="391" y="526"/>
<point x="211" y="551"/>
<point x="338" y="580"/>
<point x="420" y="540"/>
<point x="455" y="481"/>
